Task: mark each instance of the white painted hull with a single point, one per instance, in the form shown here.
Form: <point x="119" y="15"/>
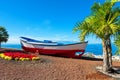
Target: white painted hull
<point x="76" y="46"/>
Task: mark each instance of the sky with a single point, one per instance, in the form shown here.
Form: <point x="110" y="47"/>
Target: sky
<point x="44" y="19"/>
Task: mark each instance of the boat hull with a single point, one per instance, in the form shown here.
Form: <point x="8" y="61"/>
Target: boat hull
<point x="58" y="50"/>
<point x="61" y="53"/>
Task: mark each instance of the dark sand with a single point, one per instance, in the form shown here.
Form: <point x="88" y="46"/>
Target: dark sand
<point x="52" y="68"/>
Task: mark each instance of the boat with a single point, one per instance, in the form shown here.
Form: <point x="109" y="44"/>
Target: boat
<point x="75" y="50"/>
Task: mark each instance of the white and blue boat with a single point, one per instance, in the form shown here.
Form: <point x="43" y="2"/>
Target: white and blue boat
<point x="53" y="48"/>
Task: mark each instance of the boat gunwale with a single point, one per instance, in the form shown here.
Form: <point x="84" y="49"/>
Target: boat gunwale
<point x="35" y="41"/>
<point x="55" y="45"/>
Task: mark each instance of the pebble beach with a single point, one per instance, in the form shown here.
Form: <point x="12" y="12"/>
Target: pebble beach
<point x="53" y="68"/>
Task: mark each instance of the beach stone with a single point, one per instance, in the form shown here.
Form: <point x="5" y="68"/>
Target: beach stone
<point x="53" y="68"/>
<point x="88" y="54"/>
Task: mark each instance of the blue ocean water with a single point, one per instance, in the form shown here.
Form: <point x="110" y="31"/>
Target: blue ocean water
<point x="97" y="49"/>
<point x="16" y="46"/>
<point x="92" y="48"/>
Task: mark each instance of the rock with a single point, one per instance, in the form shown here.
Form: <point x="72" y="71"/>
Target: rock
<point x="89" y="55"/>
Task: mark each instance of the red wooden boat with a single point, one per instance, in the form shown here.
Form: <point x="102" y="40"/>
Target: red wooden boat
<point x="75" y="50"/>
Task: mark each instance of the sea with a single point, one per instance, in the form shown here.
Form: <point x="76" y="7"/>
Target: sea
<point x="90" y="48"/>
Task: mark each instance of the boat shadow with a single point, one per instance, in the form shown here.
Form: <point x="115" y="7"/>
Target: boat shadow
<point x="90" y="58"/>
<point x="81" y="58"/>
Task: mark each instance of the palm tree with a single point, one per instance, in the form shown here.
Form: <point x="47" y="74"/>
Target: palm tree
<point x="104" y="22"/>
<point x="3" y="35"/>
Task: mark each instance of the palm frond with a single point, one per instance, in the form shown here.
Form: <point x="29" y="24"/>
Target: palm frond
<point x="104" y="21"/>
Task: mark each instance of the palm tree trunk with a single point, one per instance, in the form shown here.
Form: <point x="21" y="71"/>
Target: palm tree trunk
<point x="107" y="55"/>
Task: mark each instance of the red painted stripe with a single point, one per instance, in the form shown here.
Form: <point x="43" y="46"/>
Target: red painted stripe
<point x="64" y="53"/>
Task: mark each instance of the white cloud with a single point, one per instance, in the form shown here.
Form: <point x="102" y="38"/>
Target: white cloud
<point x="13" y="40"/>
<point x="55" y="37"/>
<point x="58" y="37"/>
